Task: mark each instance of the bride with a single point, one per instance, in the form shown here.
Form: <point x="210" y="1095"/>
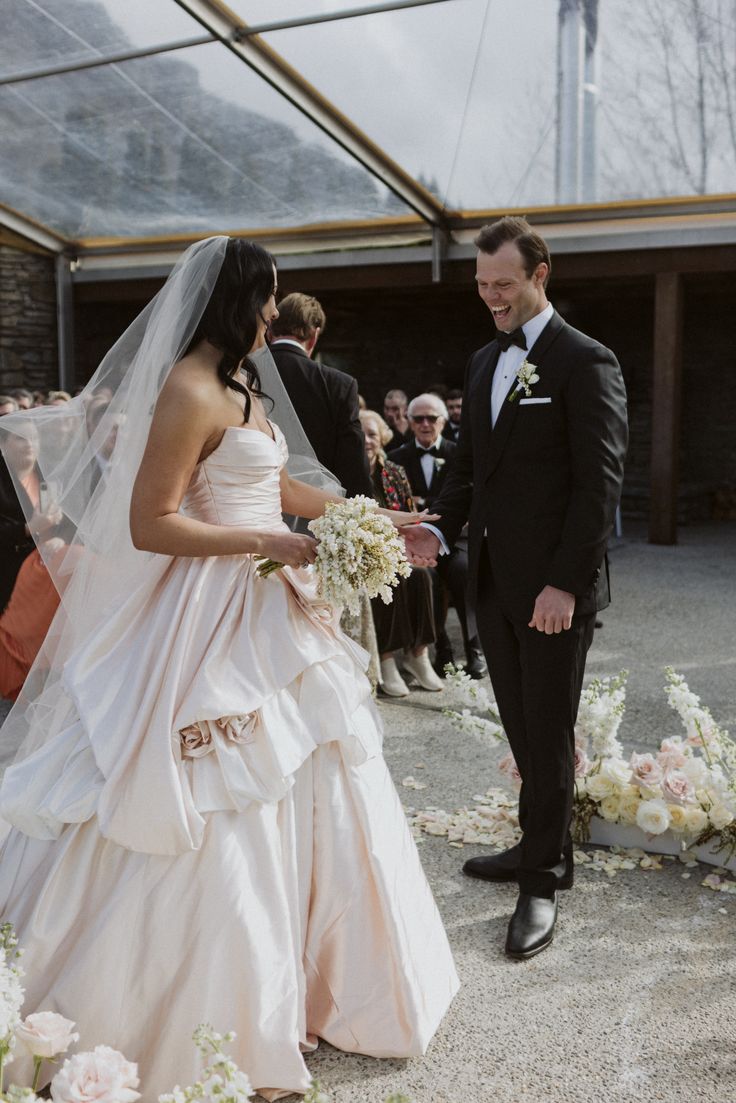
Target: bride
<point x="203" y="827"/>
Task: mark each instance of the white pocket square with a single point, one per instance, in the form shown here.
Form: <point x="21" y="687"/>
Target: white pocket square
<point x="533" y="401"/>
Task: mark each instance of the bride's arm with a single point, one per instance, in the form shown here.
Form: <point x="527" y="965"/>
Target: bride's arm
<point x="302" y="500"/>
<point x="180" y="430"/>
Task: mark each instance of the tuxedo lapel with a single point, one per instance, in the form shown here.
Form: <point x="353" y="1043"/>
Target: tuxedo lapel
<point x="416" y="472"/>
<point x="509" y="410"/>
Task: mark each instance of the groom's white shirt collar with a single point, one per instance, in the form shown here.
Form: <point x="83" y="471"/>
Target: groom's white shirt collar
<point x="533" y="328"/>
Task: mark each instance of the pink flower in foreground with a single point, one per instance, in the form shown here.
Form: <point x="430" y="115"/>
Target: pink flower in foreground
<point x="677" y="787"/>
<point x="582" y="762"/>
<point x="671" y="754"/>
<point x="508" y="767"/>
<point x="46" y="1034"/>
<point x="646" y="770"/>
<point x="102" y="1076"/>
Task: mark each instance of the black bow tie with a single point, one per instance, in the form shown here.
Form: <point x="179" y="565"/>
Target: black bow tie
<point x="506" y="340"/>
<point x="433" y="451"/>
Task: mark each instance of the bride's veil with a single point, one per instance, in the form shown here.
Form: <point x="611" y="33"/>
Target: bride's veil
<point x="87" y="457"/>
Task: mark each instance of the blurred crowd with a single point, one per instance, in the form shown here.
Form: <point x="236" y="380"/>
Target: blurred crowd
<point x="400" y="455"/>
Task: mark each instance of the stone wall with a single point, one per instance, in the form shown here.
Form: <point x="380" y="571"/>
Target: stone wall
<point x="28" y="349"/>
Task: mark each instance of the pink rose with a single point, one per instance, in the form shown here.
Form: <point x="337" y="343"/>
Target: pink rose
<point x="238" y="729"/>
<point x="509" y="769"/>
<point x="671" y="755"/>
<point x="46" y="1034"/>
<point x="195" y="741"/>
<point x="582" y="762"/>
<point x="646" y="770"/>
<point x="103" y="1076"/>
<point x="677" y="787"/>
<point x="703" y="735"/>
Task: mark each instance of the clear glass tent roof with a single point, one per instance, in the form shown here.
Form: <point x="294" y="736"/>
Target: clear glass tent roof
<point x="419" y="115"/>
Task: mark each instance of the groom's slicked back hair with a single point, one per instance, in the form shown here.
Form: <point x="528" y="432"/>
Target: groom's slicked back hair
<point x="531" y="245"/>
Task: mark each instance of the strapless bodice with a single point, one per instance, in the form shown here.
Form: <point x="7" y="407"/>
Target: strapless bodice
<point x="238" y="483"/>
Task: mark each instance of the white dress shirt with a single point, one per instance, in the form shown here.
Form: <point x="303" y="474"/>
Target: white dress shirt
<point x="427" y="462"/>
<point x="511" y="360"/>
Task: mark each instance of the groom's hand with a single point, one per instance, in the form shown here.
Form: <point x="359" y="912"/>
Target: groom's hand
<point x="553" y="611"/>
<point x="422" y="546"/>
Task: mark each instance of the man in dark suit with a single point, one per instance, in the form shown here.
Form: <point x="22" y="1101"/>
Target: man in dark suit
<point x="454" y="403"/>
<point x="325" y="399"/>
<point x="538" y="473"/>
<point x="427" y="459"/>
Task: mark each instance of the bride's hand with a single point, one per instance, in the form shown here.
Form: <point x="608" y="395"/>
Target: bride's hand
<point x="290" y="548"/>
<point x="399" y="518"/>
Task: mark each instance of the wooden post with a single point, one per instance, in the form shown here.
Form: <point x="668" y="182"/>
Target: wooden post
<point x="666" y="403"/>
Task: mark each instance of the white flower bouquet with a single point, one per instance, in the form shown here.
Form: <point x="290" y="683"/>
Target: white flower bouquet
<point x="359" y="552"/>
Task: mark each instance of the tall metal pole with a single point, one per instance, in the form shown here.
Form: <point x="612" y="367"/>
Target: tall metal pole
<point x="65" y="323"/>
<point x="570" y="68"/>
<point x="591" y="97"/>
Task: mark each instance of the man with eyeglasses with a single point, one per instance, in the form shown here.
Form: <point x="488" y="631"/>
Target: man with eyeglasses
<point x="426" y="460"/>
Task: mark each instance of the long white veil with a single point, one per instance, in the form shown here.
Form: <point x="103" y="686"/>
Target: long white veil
<point x="87" y="455"/>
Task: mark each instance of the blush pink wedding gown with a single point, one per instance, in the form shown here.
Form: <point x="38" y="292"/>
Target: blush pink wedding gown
<point x="216" y="837"/>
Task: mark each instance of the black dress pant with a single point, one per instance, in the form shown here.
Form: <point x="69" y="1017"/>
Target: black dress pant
<point x="537" y="680"/>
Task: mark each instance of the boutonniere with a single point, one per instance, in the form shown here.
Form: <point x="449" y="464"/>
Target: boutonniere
<point x="527" y="376"/>
<point x="438" y="463"/>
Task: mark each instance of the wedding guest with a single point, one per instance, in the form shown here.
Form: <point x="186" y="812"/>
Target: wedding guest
<point x="8" y="405"/>
<point x="325" y="399"/>
<point x="407" y="624"/>
<point x="57" y="398"/>
<point x="427" y="460"/>
<point x="454" y="404"/>
<point x="394" y="411"/>
<point x="23" y="397"/>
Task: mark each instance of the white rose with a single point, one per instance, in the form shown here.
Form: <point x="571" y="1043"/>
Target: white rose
<point x="653" y="816"/>
<point x="599" y="786"/>
<point x="609" y="808"/>
<point x="696" y="819"/>
<point x="617" y="769"/>
<point x="696" y="771"/>
<point x="102" y="1076"/>
<point x="629" y="801"/>
<point x="46" y="1034"/>
<point x="678" y="819"/>
<point x="720" y="816"/>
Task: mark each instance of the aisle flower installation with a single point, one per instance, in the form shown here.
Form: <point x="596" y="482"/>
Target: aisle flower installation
<point x="681" y="797"/>
<point x="103" y="1075"/>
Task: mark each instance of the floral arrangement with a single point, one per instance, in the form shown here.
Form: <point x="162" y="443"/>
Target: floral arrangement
<point x="527" y="376"/>
<point x="688" y="787"/>
<point x="359" y="552"/>
<point x="104" y="1075"/>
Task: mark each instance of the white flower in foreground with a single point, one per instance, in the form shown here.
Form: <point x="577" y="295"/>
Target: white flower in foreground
<point x="653" y="816"/>
<point x="46" y="1034"/>
<point x="609" y="808"/>
<point x="696" y="819"/>
<point x="646" y="770"/>
<point x="720" y="815"/>
<point x="100" y="1076"/>
<point x="629" y="801"/>
<point x="678" y="819"/>
<point x="599" y="786"/>
<point x="677" y="787"/>
<point x="616" y="770"/>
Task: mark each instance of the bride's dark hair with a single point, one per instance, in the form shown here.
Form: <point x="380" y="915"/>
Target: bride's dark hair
<point x="230" y="320"/>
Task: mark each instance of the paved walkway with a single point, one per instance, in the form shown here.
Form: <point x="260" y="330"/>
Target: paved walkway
<point x="634" y="1002"/>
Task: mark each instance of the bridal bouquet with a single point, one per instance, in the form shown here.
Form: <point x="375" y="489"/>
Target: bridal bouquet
<point x="359" y="552"/>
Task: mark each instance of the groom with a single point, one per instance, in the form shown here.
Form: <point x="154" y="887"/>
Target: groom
<point x="538" y="474"/>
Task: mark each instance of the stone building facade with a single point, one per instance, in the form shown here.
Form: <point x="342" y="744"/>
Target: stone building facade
<point x="28" y="340"/>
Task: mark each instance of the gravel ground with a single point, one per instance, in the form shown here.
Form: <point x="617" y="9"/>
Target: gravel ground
<point x="634" y="1002"/>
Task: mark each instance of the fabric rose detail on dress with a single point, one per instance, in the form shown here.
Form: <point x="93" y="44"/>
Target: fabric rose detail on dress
<point x="646" y="770"/>
<point x="45" y="1034"/>
<point x="102" y="1076"/>
<point x="195" y="740"/>
<point x="677" y="787"/>
<point x="238" y="729"/>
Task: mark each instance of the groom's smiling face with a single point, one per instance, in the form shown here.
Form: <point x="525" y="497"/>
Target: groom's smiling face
<point x="510" y="293"/>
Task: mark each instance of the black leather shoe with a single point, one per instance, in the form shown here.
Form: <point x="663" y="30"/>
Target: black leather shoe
<point x="442" y="656"/>
<point x="476" y="664"/>
<point x="494" y="867"/>
<point x="532" y="926"/>
<point x="504" y="867"/>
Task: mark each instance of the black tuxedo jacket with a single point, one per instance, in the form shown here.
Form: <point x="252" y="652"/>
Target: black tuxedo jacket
<point x="409" y="457"/>
<point x="15" y="544"/>
<point x="541" y="487"/>
<point x="326" y="403"/>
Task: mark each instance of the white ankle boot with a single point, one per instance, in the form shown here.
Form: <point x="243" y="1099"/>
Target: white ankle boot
<point x="421" y="668"/>
<point x="393" y="684"/>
